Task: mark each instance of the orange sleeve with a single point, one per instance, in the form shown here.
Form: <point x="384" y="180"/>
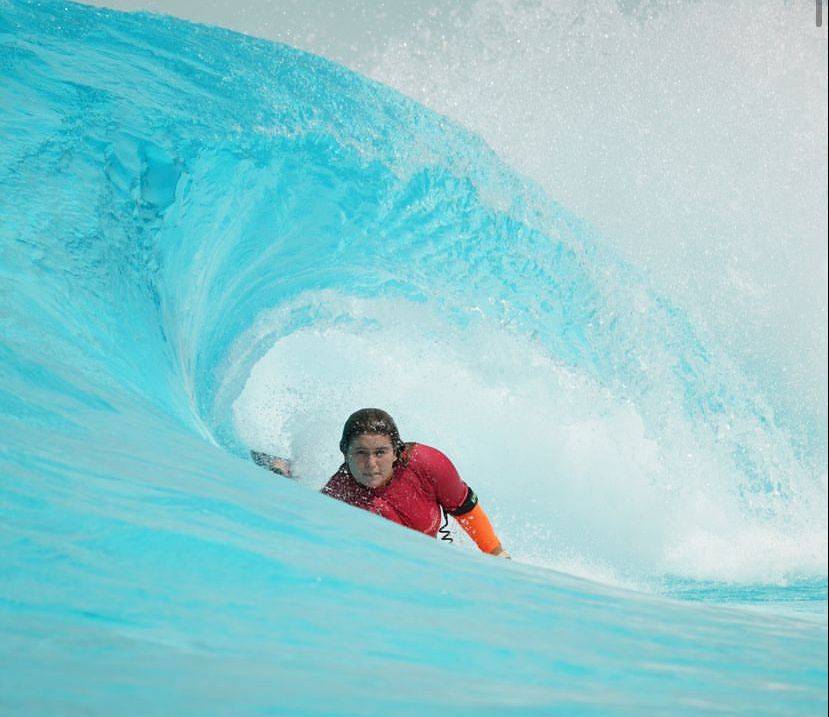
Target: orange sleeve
<point x="478" y="527"/>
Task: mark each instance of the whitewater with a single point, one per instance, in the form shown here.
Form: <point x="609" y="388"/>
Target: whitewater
<point x="211" y="243"/>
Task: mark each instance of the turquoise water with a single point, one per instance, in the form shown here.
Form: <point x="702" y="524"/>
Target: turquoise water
<point x="212" y="243"/>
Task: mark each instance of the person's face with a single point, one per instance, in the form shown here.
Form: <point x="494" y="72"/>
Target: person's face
<point x="371" y="459"/>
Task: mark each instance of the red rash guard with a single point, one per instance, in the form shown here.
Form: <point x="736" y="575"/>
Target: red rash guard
<point x="422" y="482"/>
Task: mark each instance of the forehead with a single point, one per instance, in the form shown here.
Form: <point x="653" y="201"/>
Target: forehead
<point x="370" y="441"/>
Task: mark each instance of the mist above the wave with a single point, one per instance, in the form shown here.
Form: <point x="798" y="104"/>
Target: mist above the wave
<point x="692" y="135"/>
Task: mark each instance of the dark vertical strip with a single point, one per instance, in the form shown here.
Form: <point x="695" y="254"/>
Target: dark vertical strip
<point x="819" y="13"/>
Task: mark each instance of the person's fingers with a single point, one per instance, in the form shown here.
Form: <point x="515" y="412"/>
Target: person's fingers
<point x="281" y="466"/>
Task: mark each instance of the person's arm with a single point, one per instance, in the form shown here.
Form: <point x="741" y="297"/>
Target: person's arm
<point x="474" y="521"/>
<point x="275" y="464"/>
<point x="459" y="500"/>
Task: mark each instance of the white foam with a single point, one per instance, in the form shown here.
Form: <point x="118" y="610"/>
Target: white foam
<point x="568" y="472"/>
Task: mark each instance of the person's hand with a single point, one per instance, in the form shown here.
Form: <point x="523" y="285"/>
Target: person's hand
<point x="499" y="552"/>
<point x="275" y="464"/>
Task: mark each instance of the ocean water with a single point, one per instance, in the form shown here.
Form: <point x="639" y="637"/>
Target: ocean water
<point x="211" y="243"/>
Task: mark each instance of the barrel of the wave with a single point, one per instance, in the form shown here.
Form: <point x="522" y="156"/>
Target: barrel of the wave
<point x="409" y="483"/>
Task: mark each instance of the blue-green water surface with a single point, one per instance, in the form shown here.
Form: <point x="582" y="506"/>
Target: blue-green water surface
<point x="177" y="203"/>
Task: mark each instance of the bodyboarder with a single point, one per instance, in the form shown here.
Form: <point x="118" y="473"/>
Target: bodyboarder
<point x="407" y="483"/>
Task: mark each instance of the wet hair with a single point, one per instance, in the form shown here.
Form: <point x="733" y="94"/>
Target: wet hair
<point x="371" y="420"/>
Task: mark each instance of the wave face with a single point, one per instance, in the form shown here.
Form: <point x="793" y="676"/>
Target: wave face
<point x="212" y="243"/>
